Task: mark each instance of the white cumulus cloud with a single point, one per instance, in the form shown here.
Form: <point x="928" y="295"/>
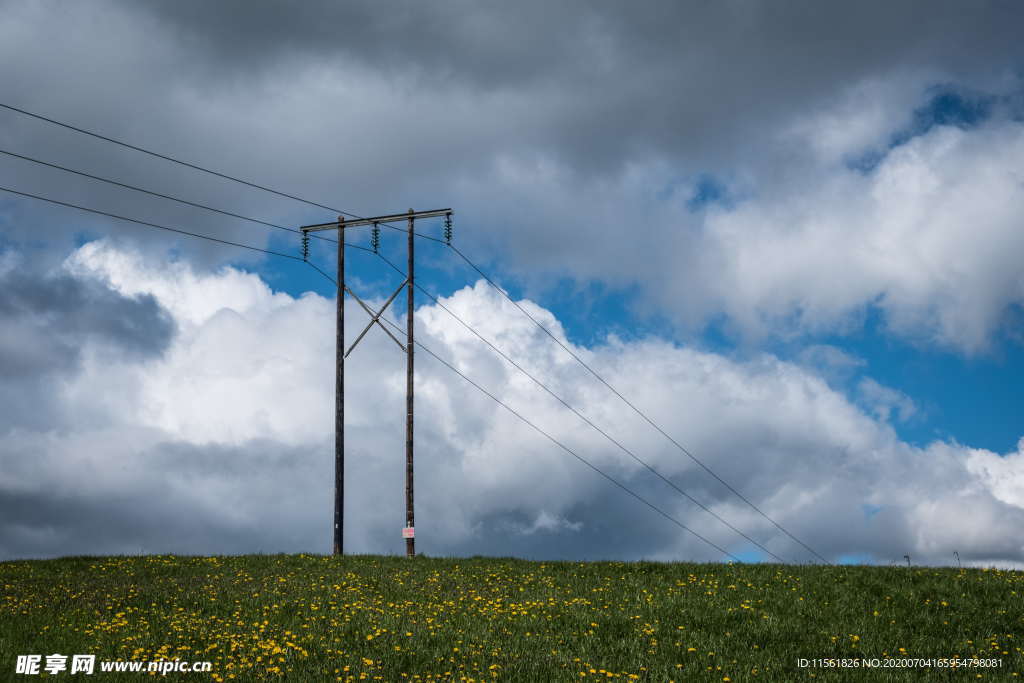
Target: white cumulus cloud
<point x="223" y="442"/>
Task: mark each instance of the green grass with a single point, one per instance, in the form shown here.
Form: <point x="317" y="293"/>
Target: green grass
<point x="314" y="618"/>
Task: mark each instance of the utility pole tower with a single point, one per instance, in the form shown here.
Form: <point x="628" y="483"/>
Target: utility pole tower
<point x="409" y="532"/>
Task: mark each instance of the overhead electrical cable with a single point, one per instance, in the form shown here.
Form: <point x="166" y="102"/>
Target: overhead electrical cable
<point x="631" y="405"/>
<point x="165" y="157"/>
<point x="455" y="249"/>
<point x="420" y="344"/>
<point x="186" y="164"/>
<point x="580" y="415"/>
<point x="556" y="441"/>
<point x="576" y="455"/>
<point x="163" y="227"/>
<point x="158" y="194"/>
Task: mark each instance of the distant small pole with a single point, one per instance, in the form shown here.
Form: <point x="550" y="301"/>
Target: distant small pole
<point x="958" y="559"/>
<point x="908" y="559"/>
<point x="410" y="542"/>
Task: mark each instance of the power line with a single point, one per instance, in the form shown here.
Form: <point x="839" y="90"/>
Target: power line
<point x="556" y="441"/>
<point x="186" y="164"/>
<point x="477" y="386"/>
<point x="158" y="194"/>
<point x="574" y="454"/>
<point x="466" y="259"/>
<point x="431" y="296"/>
<point x="582" y="416"/>
<point x="296" y="258"/>
<point x="162" y="227"/>
<point x="631" y="405"/>
<point x="578" y="457"/>
<point x="171" y="159"/>
<point x="190" y="165"/>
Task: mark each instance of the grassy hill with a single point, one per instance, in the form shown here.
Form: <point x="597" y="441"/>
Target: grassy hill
<point x="314" y="618"/>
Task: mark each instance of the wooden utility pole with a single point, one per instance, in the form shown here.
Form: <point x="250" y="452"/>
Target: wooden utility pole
<point x="339" y="400"/>
<point x="410" y="520"/>
<point x="409" y="532"/>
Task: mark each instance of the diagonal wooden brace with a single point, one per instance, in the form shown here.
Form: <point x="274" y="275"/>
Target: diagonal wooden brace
<point x="375" y="318"/>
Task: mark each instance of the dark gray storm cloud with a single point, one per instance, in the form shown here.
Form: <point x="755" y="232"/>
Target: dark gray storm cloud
<point x="66" y="309"/>
<point x="600" y="84"/>
<point x="594" y="85"/>
<point x="569" y="136"/>
<point x="495" y="46"/>
<point x="48" y="323"/>
<point x="164" y="509"/>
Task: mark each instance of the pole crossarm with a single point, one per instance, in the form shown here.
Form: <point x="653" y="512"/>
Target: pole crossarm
<point x="375" y="318"/>
<point x="355" y="223"/>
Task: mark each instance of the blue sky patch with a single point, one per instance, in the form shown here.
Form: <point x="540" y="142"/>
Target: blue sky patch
<point x="947" y="107"/>
<point x="750" y="555"/>
<point x="969" y="400"/>
<point x="708" y="190"/>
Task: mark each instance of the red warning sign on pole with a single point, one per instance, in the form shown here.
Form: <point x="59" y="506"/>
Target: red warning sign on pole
<point x="409" y="532"/>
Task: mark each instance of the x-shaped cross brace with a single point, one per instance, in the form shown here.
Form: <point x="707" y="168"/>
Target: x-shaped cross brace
<point x="375" y="317"/>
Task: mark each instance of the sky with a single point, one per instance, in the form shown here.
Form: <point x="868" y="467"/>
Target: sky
<point x="790" y="235"/>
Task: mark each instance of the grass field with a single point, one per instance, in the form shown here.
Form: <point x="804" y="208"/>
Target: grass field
<point x="314" y="618"/>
